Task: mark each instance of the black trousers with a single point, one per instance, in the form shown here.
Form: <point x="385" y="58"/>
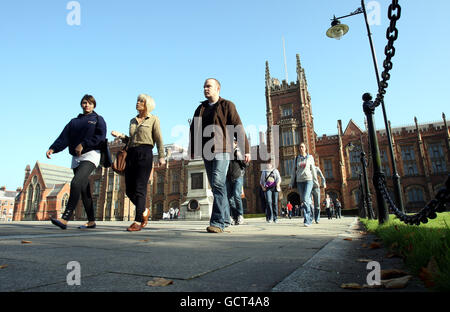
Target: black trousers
<point x="80" y="186"/>
<point x="329" y="213"/>
<point x="137" y="172"/>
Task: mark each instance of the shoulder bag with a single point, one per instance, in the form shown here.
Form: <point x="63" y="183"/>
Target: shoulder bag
<point x="120" y="162"/>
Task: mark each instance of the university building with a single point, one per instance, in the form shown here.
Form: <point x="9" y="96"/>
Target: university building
<point x="421" y="152"/>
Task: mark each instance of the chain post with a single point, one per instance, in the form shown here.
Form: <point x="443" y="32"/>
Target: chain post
<point x="369" y="110"/>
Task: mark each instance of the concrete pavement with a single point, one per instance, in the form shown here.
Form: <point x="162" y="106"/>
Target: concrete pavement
<point x="254" y="257"/>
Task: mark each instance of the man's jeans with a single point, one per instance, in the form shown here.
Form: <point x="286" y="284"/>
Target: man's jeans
<point x="304" y="189"/>
<point x="316" y="197"/>
<point x="216" y="170"/>
<point x="272" y="204"/>
<point x="234" y="197"/>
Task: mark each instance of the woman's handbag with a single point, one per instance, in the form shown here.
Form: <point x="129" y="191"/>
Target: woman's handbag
<point x="270" y="181"/>
<point x="120" y="162"/>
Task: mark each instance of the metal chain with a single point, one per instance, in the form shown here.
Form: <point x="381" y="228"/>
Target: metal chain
<point x="428" y="212"/>
<point x="391" y="35"/>
<point x="443" y="196"/>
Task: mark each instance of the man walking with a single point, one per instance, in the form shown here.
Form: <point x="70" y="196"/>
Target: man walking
<point x="212" y="131"/>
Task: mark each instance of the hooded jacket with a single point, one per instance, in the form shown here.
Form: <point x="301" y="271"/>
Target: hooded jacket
<point x="89" y="130"/>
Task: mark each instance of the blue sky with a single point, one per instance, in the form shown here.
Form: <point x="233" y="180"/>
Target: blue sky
<point x="168" y="48"/>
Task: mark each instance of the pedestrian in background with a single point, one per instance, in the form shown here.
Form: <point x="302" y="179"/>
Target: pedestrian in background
<point x="84" y="135"/>
<point x="316" y="193"/>
<point x="337" y="208"/>
<point x="144" y="133"/>
<point x="270" y="183"/>
<point x="328" y="205"/>
<point x="235" y="184"/>
<point x="289" y="210"/>
<point x="303" y="176"/>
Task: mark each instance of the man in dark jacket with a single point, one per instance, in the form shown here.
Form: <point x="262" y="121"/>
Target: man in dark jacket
<point x="215" y="124"/>
<point x="235" y="183"/>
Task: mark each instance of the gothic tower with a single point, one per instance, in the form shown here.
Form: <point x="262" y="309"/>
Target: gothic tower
<point x="288" y="108"/>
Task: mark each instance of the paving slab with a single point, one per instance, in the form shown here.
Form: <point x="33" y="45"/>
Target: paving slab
<point x="254" y="257"/>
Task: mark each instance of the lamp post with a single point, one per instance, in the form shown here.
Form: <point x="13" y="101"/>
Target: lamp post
<point x="362" y="201"/>
<point x="367" y="197"/>
<point x="336" y="31"/>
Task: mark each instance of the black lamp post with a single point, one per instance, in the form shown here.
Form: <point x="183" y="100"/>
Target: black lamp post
<point x="367" y="197"/>
<point x="362" y="198"/>
<point x="336" y="31"/>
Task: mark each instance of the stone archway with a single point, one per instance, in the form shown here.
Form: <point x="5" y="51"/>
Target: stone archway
<point x="294" y="198"/>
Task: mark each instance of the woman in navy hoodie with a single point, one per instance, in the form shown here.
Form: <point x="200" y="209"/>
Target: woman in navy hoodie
<point x="84" y="135"/>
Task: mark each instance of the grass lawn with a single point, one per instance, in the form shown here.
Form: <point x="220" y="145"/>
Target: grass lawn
<point x="424" y="248"/>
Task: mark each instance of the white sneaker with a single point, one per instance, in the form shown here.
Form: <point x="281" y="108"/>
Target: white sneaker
<point x="240" y="220"/>
<point x="307" y="224"/>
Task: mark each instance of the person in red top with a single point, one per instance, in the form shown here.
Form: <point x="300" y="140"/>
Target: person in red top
<point x="289" y="208"/>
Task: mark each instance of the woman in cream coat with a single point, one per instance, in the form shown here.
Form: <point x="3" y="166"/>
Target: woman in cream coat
<point x="144" y="132"/>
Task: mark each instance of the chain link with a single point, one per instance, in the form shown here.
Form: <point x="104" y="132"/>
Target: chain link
<point x="439" y="204"/>
<point x="443" y="196"/>
<point x="394" y="12"/>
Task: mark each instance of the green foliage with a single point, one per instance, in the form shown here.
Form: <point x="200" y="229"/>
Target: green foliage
<point x="254" y="215"/>
<point x="419" y="245"/>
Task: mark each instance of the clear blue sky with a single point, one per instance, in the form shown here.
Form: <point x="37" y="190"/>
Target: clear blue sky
<point x="168" y="48"/>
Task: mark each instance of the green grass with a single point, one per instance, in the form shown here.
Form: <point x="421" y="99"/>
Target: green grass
<point x="254" y="215"/>
<point x="418" y="244"/>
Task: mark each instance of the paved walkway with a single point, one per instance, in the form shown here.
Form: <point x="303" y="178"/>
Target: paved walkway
<point x="254" y="257"/>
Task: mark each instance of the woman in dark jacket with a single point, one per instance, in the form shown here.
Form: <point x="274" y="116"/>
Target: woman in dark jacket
<point x="84" y="135"/>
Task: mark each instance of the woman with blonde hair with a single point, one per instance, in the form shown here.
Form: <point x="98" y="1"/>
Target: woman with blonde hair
<point x="144" y="132"/>
<point x="304" y="174"/>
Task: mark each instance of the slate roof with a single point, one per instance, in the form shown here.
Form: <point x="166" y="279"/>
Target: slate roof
<point x="53" y="175"/>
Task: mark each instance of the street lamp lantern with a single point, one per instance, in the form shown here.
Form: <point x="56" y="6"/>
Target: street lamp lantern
<point x="337" y="30"/>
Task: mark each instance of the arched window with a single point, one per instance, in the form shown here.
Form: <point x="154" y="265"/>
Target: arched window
<point x="175" y="182"/>
<point x="36" y="197"/>
<point x="29" y="198"/>
<point x="159" y="209"/>
<point x="174" y="204"/>
<point x="333" y="194"/>
<point x="64" y="201"/>
<point x="160" y="184"/>
<point x="356" y="194"/>
<point x="415" y="194"/>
